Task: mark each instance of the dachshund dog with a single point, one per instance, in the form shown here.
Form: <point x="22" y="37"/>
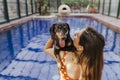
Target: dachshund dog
<point x="60" y="33"/>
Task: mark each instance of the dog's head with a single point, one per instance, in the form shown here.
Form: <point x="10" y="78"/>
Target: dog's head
<point x="60" y="31"/>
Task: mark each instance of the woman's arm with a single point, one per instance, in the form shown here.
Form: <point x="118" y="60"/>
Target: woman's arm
<point x="48" y="48"/>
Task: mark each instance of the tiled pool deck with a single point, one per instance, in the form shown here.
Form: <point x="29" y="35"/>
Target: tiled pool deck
<point x="33" y="64"/>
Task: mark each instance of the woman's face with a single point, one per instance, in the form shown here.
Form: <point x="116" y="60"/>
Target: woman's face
<point x="76" y="38"/>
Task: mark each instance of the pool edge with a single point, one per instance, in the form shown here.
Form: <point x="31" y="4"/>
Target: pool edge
<point x="110" y="22"/>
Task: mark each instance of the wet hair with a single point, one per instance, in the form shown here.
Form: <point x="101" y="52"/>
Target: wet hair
<point x="91" y="59"/>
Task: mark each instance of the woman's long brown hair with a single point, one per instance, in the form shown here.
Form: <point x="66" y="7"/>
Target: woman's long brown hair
<point x="91" y="59"/>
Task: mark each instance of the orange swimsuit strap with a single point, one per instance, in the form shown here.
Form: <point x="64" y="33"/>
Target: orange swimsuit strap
<point x="63" y="69"/>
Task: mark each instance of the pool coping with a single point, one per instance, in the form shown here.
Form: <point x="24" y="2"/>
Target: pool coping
<point x="15" y="23"/>
<point x="110" y="22"/>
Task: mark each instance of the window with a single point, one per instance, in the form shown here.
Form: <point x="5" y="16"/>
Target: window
<point x="22" y="8"/>
<point x="106" y="6"/>
<point x="119" y="9"/>
<point x="119" y="12"/>
<point x="12" y="9"/>
<point x="29" y="6"/>
<point x="2" y="18"/>
<point x="33" y="1"/>
<point x="114" y="7"/>
<point x="101" y="6"/>
<point x="53" y="5"/>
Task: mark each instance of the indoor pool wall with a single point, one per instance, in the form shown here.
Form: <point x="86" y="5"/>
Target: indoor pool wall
<point x="16" y="39"/>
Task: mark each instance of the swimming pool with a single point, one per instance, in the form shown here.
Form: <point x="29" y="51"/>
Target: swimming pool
<point x="22" y="56"/>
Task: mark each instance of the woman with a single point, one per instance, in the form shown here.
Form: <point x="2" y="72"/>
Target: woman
<point x="88" y="63"/>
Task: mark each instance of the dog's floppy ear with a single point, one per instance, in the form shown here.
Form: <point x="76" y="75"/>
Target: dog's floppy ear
<point x="52" y="33"/>
<point x="66" y="24"/>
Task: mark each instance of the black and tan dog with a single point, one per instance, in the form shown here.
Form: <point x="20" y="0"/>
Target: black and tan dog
<point x="60" y="33"/>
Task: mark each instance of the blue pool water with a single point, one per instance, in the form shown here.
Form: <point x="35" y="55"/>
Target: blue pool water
<point x="22" y="56"/>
